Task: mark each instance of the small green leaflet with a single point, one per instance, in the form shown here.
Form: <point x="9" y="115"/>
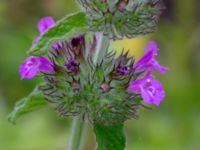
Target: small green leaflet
<point x="110" y="137"/>
<point x="28" y="104"/>
<point x="67" y="27"/>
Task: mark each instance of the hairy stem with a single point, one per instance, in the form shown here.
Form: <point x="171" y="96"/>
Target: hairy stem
<point x="102" y="47"/>
<point x="76" y="134"/>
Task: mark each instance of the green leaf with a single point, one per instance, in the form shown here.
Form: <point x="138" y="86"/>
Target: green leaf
<point x="28" y="104"/>
<point x="65" y="28"/>
<point x="110" y="137"/>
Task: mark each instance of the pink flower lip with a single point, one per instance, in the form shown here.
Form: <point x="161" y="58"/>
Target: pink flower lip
<point x="33" y="64"/>
<point x="151" y="90"/>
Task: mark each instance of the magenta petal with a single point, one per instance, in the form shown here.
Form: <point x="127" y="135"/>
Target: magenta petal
<point x="29" y="68"/>
<point x="148" y="62"/>
<point x="134" y="86"/>
<point x="146" y="96"/>
<point x="45" y="23"/>
<point x="158" y="67"/>
<point x="153" y="94"/>
<point x="30" y="73"/>
<point x="33" y="64"/>
<point x="45" y="64"/>
<point x="144" y="62"/>
<point x="150" y="89"/>
<point x="151" y="46"/>
<point x="156" y="91"/>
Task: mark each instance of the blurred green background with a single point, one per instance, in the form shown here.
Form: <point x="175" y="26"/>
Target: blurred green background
<point x="175" y="125"/>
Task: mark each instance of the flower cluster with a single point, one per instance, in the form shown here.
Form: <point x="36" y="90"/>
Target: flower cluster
<point x="122" y="18"/>
<point x="107" y="92"/>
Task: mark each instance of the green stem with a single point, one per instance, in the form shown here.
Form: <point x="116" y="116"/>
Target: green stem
<point x="76" y="135"/>
<point x="102" y="47"/>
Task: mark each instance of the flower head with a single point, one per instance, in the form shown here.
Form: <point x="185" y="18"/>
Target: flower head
<point x="122" y="18"/>
<point x="148" y="61"/>
<point x="33" y="64"/>
<point x="150" y="89"/>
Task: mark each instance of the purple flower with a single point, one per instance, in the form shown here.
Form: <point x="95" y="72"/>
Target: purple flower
<point x="150" y="89"/>
<point x="148" y="61"/>
<point x="72" y="64"/>
<point x="43" y="25"/>
<point x="33" y="64"/>
<point x="122" y="70"/>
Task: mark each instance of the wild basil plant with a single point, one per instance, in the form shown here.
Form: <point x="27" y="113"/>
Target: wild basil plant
<point x="83" y="79"/>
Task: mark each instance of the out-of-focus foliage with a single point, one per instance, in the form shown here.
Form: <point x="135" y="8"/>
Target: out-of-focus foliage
<point x="174" y="125"/>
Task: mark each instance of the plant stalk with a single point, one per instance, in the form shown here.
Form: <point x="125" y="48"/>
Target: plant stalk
<point x="102" y="47"/>
<point x="76" y="134"/>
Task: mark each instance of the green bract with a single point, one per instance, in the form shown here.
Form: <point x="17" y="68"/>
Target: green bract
<point x="98" y="91"/>
<point x="67" y="27"/>
<point x="122" y="18"/>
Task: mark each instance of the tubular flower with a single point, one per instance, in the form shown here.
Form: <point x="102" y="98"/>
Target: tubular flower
<point x="150" y="89"/>
<point x="43" y="25"/>
<point x="33" y="64"/>
<point x="148" y="61"/>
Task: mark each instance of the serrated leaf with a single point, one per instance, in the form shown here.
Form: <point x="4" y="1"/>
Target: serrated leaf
<point x="65" y="28"/>
<point x="28" y="104"/>
<point x="110" y="137"/>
